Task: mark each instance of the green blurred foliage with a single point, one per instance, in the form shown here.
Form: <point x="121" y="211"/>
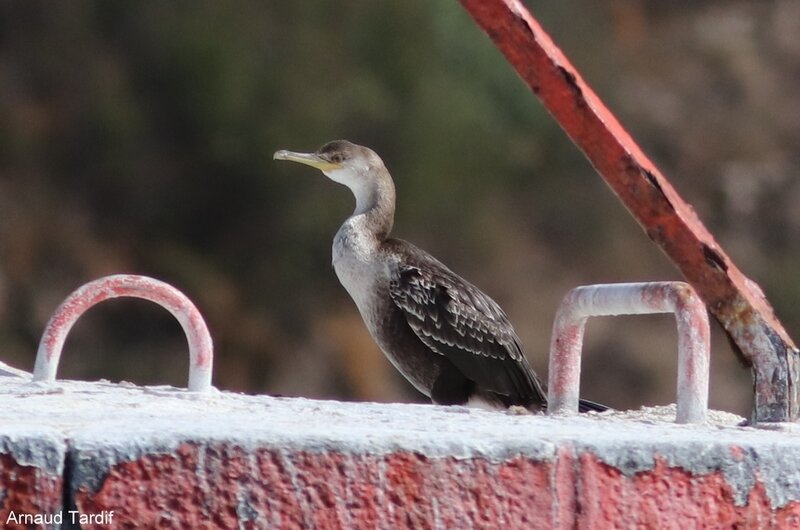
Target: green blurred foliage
<point x="137" y="137"/>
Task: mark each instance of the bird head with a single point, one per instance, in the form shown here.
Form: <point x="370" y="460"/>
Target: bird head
<point x="341" y="161"/>
<point x="357" y="167"/>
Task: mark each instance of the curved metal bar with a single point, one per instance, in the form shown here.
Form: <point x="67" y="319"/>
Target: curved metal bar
<point x="201" y="349"/>
<point x="631" y="299"/>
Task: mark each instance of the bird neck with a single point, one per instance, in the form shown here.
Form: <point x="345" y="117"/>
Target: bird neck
<point x="375" y="200"/>
<point x="376" y="206"/>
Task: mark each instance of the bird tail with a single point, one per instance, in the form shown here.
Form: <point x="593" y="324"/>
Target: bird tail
<point x="584" y="405"/>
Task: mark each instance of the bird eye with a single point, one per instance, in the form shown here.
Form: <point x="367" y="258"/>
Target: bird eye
<point x="337" y="158"/>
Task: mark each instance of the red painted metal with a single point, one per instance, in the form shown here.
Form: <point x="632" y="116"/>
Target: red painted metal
<point x="631" y="299"/>
<point x="737" y="302"/>
<point x="201" y="349"/>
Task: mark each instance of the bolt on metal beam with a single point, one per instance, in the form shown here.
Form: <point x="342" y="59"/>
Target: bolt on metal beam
<point x="631" y="299"/>
<point x="201" y="349"/>
<point x="736" y="301"/>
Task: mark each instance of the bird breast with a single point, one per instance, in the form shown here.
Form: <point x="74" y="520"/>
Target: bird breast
<point x="361" y="273"/>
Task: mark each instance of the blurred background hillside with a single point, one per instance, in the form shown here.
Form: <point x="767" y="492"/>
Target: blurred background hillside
<point x="138" y="136"/>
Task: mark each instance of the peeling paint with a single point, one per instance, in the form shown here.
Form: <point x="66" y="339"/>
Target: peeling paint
<point x="293" y="461"/>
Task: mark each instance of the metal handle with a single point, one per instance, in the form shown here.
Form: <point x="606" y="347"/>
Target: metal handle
<point x="632" y="299"/>
<point x="201" y="349"/>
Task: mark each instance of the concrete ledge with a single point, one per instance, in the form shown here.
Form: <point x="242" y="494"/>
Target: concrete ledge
<point x="166" y="458"/>
<point x="31" y="469"/>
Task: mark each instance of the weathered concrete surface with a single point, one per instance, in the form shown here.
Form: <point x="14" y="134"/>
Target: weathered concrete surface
<point x="166" y="458"/>
<point x="31" y="471"/>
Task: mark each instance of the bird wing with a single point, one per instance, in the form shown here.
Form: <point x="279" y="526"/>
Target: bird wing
<point x="457" y="320"/>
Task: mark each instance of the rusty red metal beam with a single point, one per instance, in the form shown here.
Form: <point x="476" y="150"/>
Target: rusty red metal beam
<point x="736" y="302"/>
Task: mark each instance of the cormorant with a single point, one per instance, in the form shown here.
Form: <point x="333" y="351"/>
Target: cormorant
<point x="447" y="337"/>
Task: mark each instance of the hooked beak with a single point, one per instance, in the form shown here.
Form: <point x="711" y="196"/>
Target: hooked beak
<point x="309" y="159"/>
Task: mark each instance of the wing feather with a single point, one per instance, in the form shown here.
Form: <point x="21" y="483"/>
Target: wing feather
<point x="455" y="319"/>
